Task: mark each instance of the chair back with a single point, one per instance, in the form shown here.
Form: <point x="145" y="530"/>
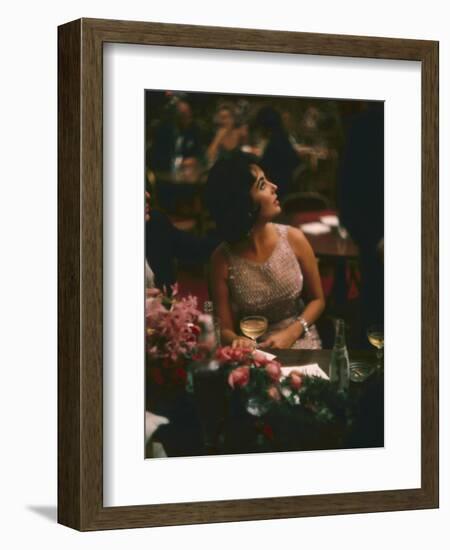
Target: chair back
<point x="304" y="201"/>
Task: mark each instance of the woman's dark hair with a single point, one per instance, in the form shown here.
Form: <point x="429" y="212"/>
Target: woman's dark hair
<point x="228" y="196"/>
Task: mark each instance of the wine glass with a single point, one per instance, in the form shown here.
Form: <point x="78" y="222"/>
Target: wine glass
<point x="375" y="335"/>
<point x="253" y="326"/>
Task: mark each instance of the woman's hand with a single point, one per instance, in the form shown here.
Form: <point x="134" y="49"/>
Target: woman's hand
<point x="243" y="343"/>
<point x="283" y="339"/>
<point x="220" y="135"/>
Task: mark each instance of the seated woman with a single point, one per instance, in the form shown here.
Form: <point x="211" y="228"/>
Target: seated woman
<point x="261" y="268"/>
<point x="229" y="136"/>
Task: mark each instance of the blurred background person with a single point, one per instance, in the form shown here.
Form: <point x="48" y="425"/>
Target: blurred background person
<point x="230" y="134"/>
<point x="165" y="245"/>
<point x="177" y="137"/>
<point x="278" y="158"/>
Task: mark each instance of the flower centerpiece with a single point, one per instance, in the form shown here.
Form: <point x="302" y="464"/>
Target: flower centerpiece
<point x="256" y="376"/>
<point x="297" y="411"/>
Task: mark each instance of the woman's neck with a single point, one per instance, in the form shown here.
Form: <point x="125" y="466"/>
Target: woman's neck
<point x="259" y="237"/>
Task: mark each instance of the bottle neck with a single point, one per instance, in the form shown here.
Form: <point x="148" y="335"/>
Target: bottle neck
<point x="208" y="308"/>
<point x="339" y="339"/>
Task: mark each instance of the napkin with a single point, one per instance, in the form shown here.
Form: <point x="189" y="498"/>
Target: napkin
<point x="332" y="221"/>
<point x="311" y="370"/>
<point x="268" y="356"/>
<point x="315" y="228"/>
<point x="152" y="423"/>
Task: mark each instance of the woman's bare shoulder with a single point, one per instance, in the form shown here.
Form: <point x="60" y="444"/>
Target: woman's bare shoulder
<point x="219" y="258"/>
<point x="298" y="241"/>
<point x="295" y="235"/>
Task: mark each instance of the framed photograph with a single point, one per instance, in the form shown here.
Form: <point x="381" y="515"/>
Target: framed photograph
<point x="243" y="216"/>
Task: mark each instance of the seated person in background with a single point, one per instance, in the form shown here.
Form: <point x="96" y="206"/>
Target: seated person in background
<point x="164" y="244"/>
<point x="229" y="135"/>
<point x="176" y="138"/>
<point x="361" y="205"/>
<point x="262" y="267"/>
<point x="279" y="159"/>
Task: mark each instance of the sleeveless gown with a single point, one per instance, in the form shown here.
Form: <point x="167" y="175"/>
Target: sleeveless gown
<point x="272" y="289"/>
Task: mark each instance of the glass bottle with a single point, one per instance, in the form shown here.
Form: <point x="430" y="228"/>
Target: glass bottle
<point x="340" y="364"/>
<point x="208" y="383"/>
<point x="208" y="309"/>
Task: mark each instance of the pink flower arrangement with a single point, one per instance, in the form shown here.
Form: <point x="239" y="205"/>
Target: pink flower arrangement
<point x="173" y="326"/>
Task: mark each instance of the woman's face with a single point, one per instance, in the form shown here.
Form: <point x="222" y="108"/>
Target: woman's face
<point x="264" y="193"/>
<point x="225" y="119"/>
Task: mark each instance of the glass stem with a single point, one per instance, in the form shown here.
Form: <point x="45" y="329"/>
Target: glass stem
<point x="379" y="357"/>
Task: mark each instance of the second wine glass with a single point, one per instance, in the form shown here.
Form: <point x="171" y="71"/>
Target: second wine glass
<point x="375" y="335"/>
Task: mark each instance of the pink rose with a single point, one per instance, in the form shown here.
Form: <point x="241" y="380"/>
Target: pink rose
<point x="239" y="377"/>
<point x="296" y="380"/>
<point x="223" y="354"/>
<point x="229" y="355"/>
<point x="274" y="393"/>
<point x="273" y="370"/>
<point x="260" y="358"/>
<point x="240" y="355"/>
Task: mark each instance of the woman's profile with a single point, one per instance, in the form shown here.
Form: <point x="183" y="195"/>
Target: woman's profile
<point x="260" y="268"/>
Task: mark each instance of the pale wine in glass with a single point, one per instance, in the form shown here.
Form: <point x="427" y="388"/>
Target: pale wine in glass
<point x="375" y="335"/>
<point x="253" y="326"/>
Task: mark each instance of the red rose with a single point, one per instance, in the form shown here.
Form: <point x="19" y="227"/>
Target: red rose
<point x="295" y="380"/>
<point x="274" y="393"/>
<point x="267" y="431"/>
<point x="273" y="370"/>
<point x="194" y="329"/>
<point x="239" y="377"/>
<point x="179" y="376"/>
<point x="156" y="376"/>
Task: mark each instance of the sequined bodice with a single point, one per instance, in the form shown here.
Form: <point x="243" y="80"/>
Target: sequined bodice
<point x="271" y="288"/>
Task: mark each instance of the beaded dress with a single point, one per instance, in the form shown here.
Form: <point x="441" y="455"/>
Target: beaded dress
<point x="272" y="289"/>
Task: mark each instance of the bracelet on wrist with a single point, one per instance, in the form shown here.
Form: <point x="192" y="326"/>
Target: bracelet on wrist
<point x="304" y="324"/>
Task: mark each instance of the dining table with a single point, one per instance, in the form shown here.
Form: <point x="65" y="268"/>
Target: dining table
<point x="335" y="248"/>
<point x="212" y="421"/>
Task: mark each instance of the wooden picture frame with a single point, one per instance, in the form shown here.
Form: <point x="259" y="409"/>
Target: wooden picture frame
<point x="80" y="271"/>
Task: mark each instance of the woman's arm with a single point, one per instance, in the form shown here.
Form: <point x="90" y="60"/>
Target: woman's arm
<point x="313" y="292"/>
<point x="213" y="147"/>
<point x="221" y="299"/>
<point x="311" y="277"/>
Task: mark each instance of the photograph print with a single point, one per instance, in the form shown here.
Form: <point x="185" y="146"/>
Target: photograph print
<point x="264" y="274"/>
